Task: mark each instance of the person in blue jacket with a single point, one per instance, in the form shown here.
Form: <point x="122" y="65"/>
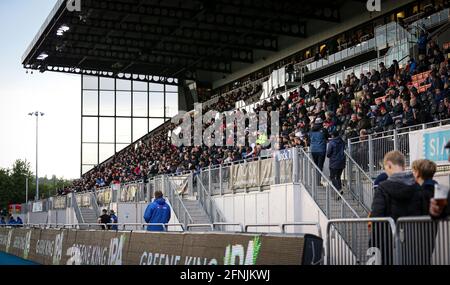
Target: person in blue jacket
<point x="2" y="221"/>
<point x="336" y="154"/>
<point x="19" y="221"/>
<point x="12" y="221"/>
<point x="318" y="144"/>
<point x="114" y="220"/>
<point x="157" y="212"/>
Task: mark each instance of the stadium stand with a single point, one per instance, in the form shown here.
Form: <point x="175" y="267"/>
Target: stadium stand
<point x="372" y="82"/>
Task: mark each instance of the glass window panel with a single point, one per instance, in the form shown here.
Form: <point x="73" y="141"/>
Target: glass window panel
<point x="107" y="103"/>
<point x="107" y="130"/>
<point x="90" y="103"/>
<point x="156" y="87"/>
<point x="124" y="85"/>
<point x="156" y="104"/>
<point x="172" y="88"/>
<point x="123" y="104"/>
<point x="106" y="83"/>
<point x="106" y="151"/>
<point x="154" y="123"/>
<point x="90" y="130"/>
<point x="120" y="147"/>
<point x="87" y="168"/>
<point x="90" y="154"/>
<point x="172" y="104"/>
<point x="140" y="104"/>
<point x="123" y="130"/>
<point x="90" y="82"/>
<point x="140" y="86"/>
<point x="139" y="128"/>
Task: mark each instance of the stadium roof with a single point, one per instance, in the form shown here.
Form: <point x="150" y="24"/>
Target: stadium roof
<point x="160" y="40"/>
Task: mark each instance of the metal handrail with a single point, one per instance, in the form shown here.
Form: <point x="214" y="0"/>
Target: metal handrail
<point x="210" y="200"/>
<point x="175" y="195"/>
<point x="241" y="226"/>
<point x="359" y="168"/>
<point x="188" y="227"/>
<point x="280" y="226"/>
<point x="316" y="168"/>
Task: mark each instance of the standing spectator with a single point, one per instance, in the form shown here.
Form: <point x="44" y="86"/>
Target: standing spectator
<point x="114" y="220"/>
<point x="399" y="196"/>
<point x="336" y="154"/>
<point x="318" y="137"/>
<point x="424" y="171"/>
<point x="104" y="220"/>
<point x="157" y="212"/>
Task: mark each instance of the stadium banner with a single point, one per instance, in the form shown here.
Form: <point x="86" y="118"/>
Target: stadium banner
<point x="430" y="144"/>
<point x="255" y="174"/>
<point x="78" y="247"/>
<point x="37" y="207"/>
<point x="59" y="202"/>
<point x="266" y="176"/>
<point x="286" y="171"/>
<point x="104" y="197"/>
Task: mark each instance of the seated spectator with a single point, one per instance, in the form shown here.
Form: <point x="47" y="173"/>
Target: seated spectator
<point x="385" y="120"/>
<point x="408" y="115"/>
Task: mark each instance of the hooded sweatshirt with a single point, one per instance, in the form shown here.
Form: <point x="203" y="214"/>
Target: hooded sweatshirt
<point x="399" y="196"/>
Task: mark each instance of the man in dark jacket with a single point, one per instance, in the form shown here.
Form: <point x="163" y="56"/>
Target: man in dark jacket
<point x="399" y="196"/>
<point x="104" y="220"/>
<point x="336" y="154"/>
<point x="318" y="138"/>
<point x="157" y="212"/>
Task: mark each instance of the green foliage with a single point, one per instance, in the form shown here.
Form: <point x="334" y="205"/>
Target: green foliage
<point x="13" y="184"/>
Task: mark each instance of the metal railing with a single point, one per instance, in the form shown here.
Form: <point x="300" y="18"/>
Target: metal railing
<point x="422" y="241"/>
<point x="359" y="183"/>
<point x="432" y="21"/>
<point x="369" y="154"/>
<point x="215" y="227"/>
<point x="327" y="197"/>
<point x="352" y="242"/>
<point x="381" y="241"/>
<point x="176" y="202"/>
<point x="208" y="204"/>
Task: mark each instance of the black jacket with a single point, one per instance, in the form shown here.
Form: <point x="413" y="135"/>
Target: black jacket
<point x="399" y="196"/>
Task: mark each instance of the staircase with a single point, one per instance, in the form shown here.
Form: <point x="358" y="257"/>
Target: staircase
<point x="337" y="211"/>
<point x="88" y="215"/>
<point x="196" y="211"/>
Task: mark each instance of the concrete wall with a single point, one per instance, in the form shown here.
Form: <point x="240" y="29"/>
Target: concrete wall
<point x="38" y="218"/>
<point x="57" y="216"/>
<point x="133" y="213"/>
<point x="286" y="203"/>
<point x="71" y="217"/>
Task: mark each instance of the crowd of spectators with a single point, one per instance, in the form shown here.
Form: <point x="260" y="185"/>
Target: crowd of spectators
<point x="377" y="101"/>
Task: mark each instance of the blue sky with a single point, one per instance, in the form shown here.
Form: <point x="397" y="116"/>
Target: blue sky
<point x="56" y="94"/>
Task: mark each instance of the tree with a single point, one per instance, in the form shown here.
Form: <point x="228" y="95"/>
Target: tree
<point x="13" y="184"/>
